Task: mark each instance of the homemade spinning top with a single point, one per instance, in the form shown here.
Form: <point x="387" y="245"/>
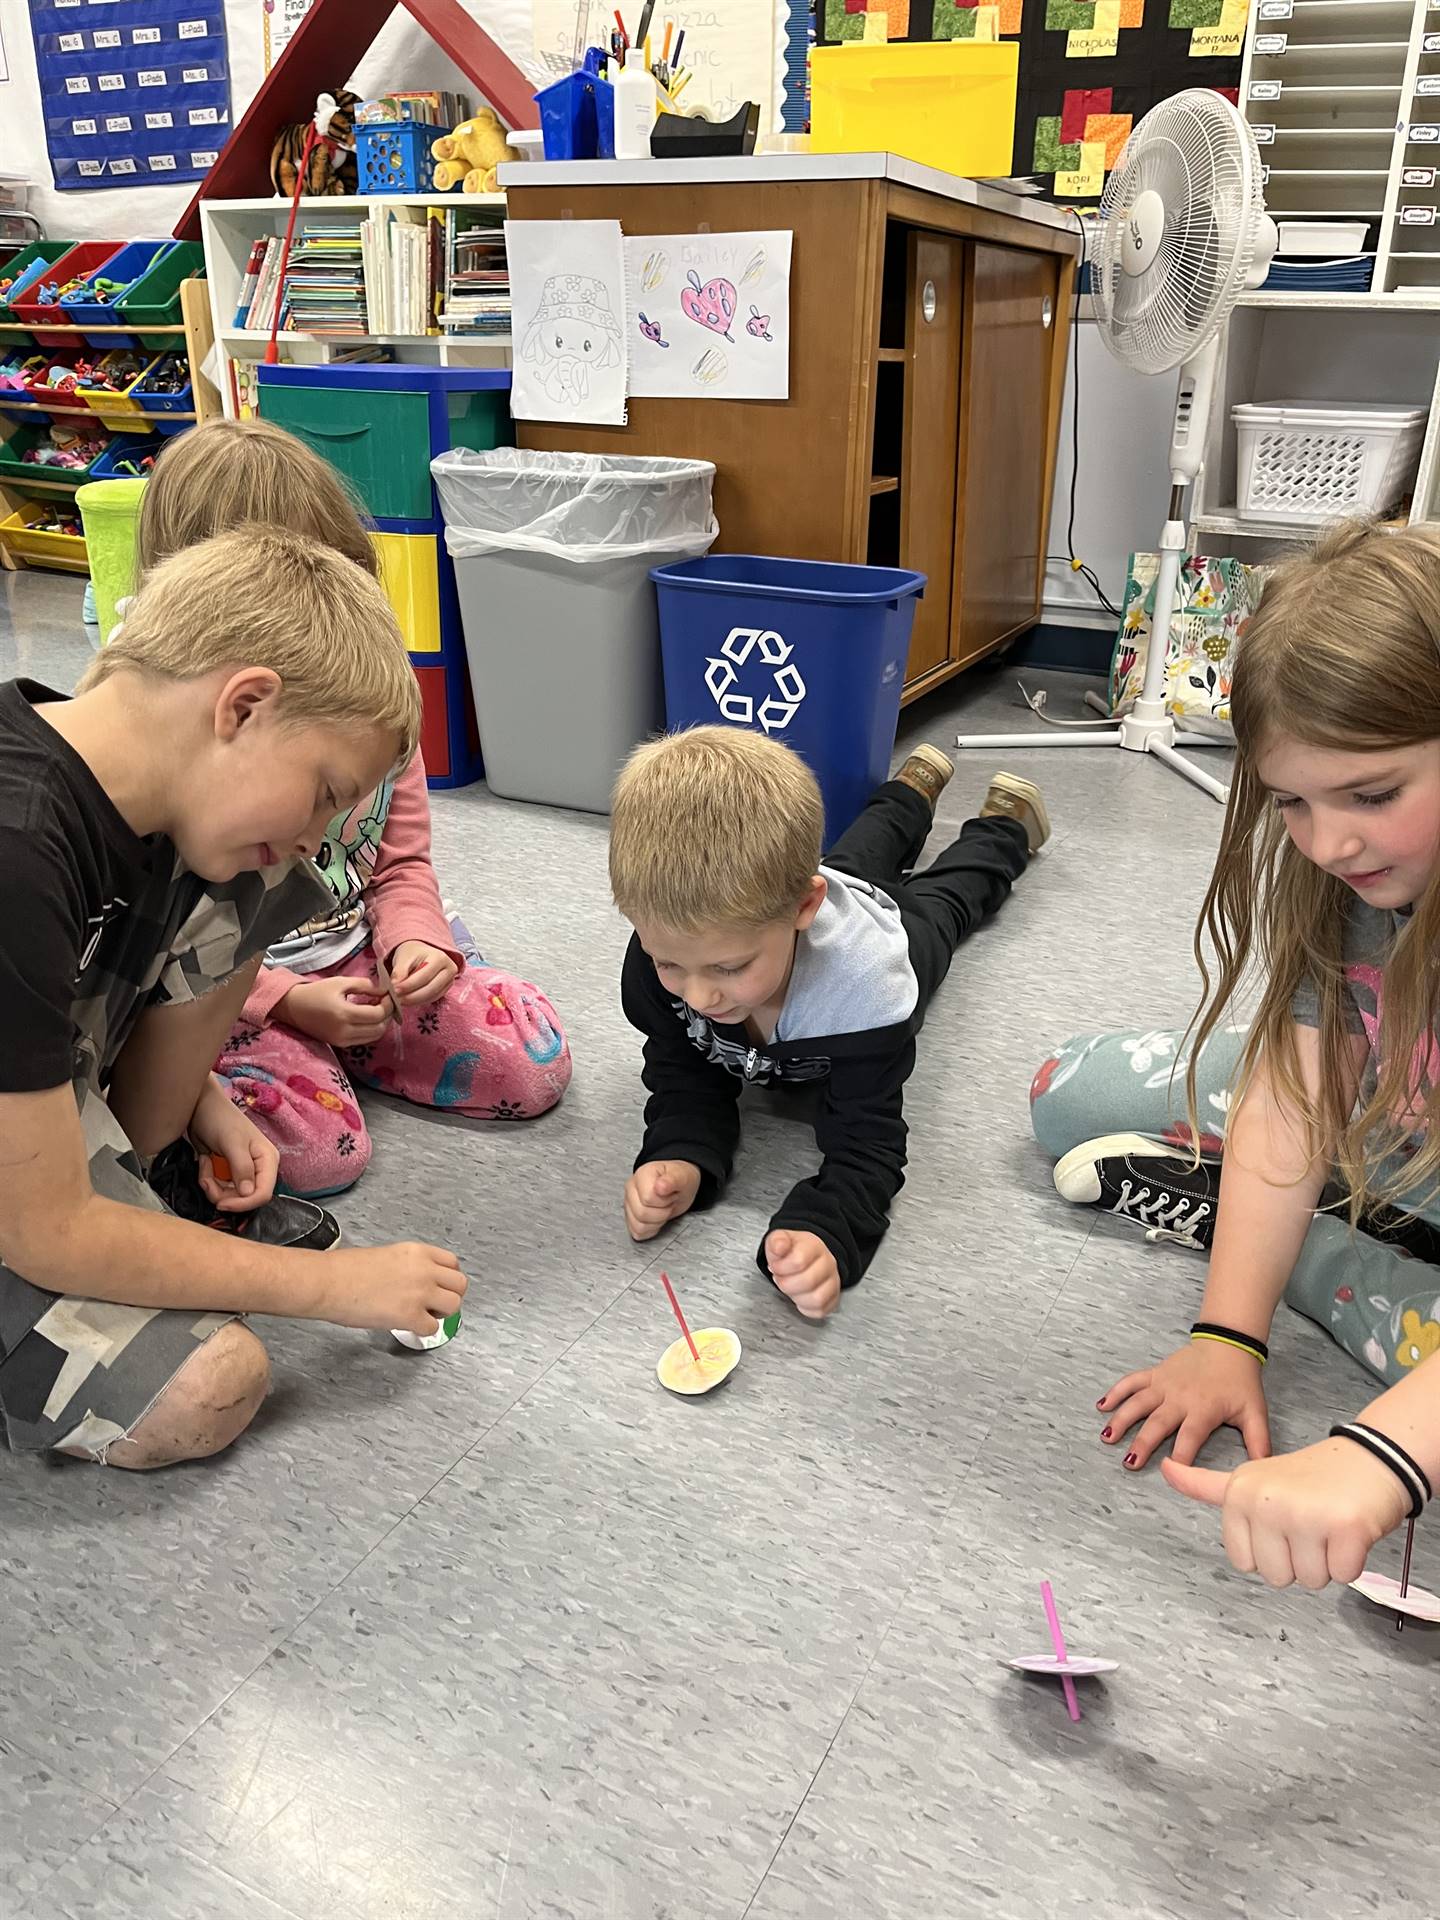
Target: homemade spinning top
<point x="696" y="1362"/>
<point x="423" y="1342"/>
<point x="1399" y="1595"/>
<point x="1060" y="1665"/>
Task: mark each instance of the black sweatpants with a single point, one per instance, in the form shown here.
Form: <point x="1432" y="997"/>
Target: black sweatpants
<point x="961" y="887"/>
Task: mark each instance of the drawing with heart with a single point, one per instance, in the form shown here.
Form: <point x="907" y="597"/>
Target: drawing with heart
<point x="711" y="306"/>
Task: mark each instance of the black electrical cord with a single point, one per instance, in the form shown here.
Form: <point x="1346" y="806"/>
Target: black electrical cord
<point x="1086" y="572"/>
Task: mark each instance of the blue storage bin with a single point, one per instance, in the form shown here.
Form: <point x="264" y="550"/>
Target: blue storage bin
<point x="577" y="115"/>
<point x="810" y="652"/>
<point x="127" y="266"/>
<point x="162" y="408"/>
<point x="123" y="446"/>
<point x="395" y="157"/>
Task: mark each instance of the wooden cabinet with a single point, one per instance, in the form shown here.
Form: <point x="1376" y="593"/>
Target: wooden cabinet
<point x="927" y="361"/>
<point x="1011" y="317"/>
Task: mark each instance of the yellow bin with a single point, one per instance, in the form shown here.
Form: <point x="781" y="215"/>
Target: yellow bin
<point x="946" y="103"/>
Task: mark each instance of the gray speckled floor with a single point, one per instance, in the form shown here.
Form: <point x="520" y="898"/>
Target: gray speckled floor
<point x="506" y="1631"/>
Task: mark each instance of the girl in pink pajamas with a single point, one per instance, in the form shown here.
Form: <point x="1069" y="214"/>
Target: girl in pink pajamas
<point x="449" y="1032"/>
<point x="384" y="989"/>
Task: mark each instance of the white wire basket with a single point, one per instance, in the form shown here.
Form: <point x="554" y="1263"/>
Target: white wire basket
<point x="1320" y="463"/>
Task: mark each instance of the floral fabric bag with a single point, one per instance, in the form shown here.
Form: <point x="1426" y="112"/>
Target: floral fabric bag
<point x="1214" y="600"/>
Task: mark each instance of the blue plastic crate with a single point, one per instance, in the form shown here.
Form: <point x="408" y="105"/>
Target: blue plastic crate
<point x="395" y="157"/>
<point x="124" y="446"/>
<point x="161" y="408"/>
<point x="811" y="653"/>
<point x="126" y="267"/>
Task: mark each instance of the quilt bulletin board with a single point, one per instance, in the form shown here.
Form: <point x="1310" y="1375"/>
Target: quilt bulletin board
<point x="1089" y="69"/>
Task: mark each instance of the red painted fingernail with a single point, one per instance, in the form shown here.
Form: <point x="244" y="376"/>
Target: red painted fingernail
<point x="1131" y="1459"/>
<point x="1105" y="1434"/>
<point x="1100" y="1405"/>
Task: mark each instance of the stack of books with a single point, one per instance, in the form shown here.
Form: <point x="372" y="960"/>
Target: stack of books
<point x="427" y="108"/>
<point x="324" y="286"/>
<point x="403" y="269"/>
<point x="477" y="283"/>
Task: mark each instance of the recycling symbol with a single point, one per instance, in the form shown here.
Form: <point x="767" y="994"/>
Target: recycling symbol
<point x="779" y="707"/>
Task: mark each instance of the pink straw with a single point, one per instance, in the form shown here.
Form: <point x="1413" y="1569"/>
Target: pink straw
<point x="1058" y="1639"/>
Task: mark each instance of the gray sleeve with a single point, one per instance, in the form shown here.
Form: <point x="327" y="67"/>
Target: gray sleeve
<point x="1369" y="935"/>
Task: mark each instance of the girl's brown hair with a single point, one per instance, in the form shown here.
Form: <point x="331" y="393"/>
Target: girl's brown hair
<point x="1342" y="652"/>
<point x="231" y="473"/>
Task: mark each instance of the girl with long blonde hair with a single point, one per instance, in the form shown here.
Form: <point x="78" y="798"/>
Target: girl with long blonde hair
<point x="1324" y="908"/>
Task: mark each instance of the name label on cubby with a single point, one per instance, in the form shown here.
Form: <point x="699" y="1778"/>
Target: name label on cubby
<point x="145" y="37"/>
<point x="82" y="126"/>
<point x="107" y="37"/>
<point x="151" y="77"/>
<point x="1264" y="132"/>
<point x="159" y="119"/>
<point x="204" y="116"/>
<point x="1417" y="216"/>
<point x="1431" y="43"/>
<point x="162" y="163"/>
<point x="1264" y="176"/>
<point x="1265" y="89"/>
<point x="1428" y="83"/>
<point x="1424" y="133"/>
<point x="1276" y="9"/>
<point x="1417" y="177"/>
<point x="1271" y="43"/>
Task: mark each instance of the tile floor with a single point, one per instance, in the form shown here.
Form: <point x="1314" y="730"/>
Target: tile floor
<point x="505" y="1631"/>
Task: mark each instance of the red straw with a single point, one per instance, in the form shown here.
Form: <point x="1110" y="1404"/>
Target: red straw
<point x="694" y="1350"/>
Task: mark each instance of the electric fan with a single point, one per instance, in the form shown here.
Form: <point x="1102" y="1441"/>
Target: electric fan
<point x="1183" y="233"/>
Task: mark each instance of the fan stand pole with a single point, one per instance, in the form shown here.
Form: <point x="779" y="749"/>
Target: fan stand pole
<point x="1148" y="727"/>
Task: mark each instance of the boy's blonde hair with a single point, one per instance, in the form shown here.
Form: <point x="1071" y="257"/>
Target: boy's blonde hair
<point x="714" y="827"/>
<point x="261" y="597"/>
<point x="229" y="473"/>
<point x="1342" y="652"/>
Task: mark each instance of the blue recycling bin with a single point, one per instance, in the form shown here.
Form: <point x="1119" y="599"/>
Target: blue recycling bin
<point x="810" y="652"/>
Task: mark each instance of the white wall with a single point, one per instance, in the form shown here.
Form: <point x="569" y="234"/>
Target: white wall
<point x="402" y="56"/>
<point x="1124" y="418"/>
<point x="1120" y="504"/>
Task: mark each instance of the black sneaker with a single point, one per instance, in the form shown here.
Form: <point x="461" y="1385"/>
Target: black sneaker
<point x="1147" y="1181"/>
<point x="281" y="1222"/>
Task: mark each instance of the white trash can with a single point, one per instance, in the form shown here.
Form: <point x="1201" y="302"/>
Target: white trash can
<point x="552" y="556"/>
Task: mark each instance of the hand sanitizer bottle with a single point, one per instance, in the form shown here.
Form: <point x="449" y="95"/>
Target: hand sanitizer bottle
<point x="634" y="107"/>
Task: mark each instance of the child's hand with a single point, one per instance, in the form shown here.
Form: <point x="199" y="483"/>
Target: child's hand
<point x="341" y="1012"/>
<point x="410" y="1286"/>
<point x="804" y="1269"/>
<point x="420" y="973"/>
<point x="1310" y="1516"/>
<point x="1201" y="1386"/>
<point x="219" y="1130"/>
<point x="657" y="1193"/>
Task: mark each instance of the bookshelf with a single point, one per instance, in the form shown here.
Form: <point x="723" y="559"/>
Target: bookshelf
<point x="229" y="229"/>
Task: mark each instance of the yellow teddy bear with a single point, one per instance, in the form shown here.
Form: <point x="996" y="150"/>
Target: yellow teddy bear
<point x="470" y="155"/>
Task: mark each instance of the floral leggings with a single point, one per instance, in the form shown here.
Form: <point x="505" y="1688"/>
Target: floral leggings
<point x="492" y="1047"/>
<point x="1380" y="1304"/>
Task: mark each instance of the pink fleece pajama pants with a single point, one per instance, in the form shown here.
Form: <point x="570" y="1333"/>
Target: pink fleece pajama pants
<point x="491" y="1047"/>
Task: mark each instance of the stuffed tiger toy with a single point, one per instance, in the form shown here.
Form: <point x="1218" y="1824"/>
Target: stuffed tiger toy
<point x="331" y="169"/>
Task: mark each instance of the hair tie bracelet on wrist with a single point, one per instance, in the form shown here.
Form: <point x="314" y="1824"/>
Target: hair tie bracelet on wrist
<point x="1389" y="1453"/>
<point x="1228" y="1337"/>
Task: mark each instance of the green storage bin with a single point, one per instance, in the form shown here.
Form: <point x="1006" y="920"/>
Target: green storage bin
<point x="46" y="250"/>
<point x="15" y="470"/>
<point x="480" y="420"/>
<point x="110" y="510"/>
<point x="154" y="300"/>
<point x="380" y="442"/>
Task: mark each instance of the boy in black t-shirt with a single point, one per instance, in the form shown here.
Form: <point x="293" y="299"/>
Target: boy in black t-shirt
<point x="753" y="961"/>
<point x="155" y="834"/>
